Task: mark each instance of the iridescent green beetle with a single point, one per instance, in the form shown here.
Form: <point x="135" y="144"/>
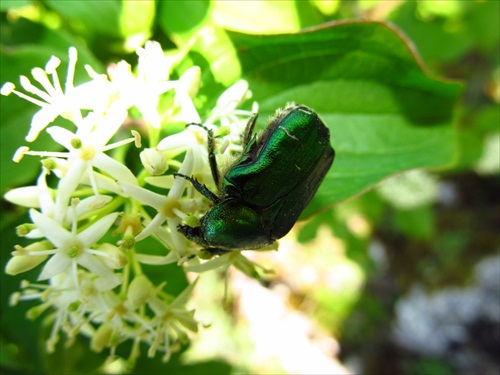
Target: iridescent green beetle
<point x="266" y="189"/>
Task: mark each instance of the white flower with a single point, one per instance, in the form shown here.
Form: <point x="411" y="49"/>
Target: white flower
<point x="193" y="139"/>
<point x="53" y="101"/>
<point x="41" y="196"/>
<point x="229" y="116"/>
<point x="169" y="208"/>
<point x="73" y="303"/>
<point x="144" y="91"/>
<point x="86" y="150"/>
<point x="169" y="318"/>
<point x="72" y="248"/>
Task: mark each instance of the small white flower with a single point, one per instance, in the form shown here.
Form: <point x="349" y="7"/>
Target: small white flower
<point x="72" y="248"/>
<point x="73" y="304"/>
<point x="193" y="139"/>
<point x="144" y="91"/>
<point x="41" y="196"/>
<point x="169" y="208"/>
<point x="231" y="118"/>
<point x="53" y="101"/>
<point x="86" y="150"/>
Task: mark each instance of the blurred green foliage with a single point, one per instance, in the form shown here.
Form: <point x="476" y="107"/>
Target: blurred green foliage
<point x="387" y="112"/>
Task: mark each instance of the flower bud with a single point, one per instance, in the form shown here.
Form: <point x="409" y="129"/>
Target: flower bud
<point x="154" y="160"/>
<point x="139" y="291"/>
<point x="26" y="196"/>
<point x="116" y="258"/>
<point x="23" y="263"/>
<point x="101" y="338"/>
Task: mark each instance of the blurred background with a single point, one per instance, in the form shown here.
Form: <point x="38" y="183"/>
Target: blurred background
<point x="404" y="279"/>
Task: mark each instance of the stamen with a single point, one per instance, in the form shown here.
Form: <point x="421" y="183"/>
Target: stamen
<point x="19" y="154"/>
<point x="52" y="65"/>
<point x="26" y="84"/>
<point x="29" y="98"/>
<point x="179" y="213"/>
<point x="41" y="77"/>
<point x="7" y="88"/>
<point x="73" y="57"/>
<point x="119" y="143"/>
<point x="25" y="151"/>
<point x="93" y="181"/>
<point x="137" y="139"/>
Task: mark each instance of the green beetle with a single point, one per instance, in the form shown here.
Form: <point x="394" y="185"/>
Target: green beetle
<point x="266" y="189"/>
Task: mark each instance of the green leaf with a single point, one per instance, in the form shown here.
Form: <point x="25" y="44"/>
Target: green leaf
<point x="112" y="25"/>
<point x="445" y="37"/>
<point x="136" y="19"/>
<point x="173" y="20"/>
<point x="205" y="41"/>
<point x="100" y="17"/>
<point x="418" y="223"/>
<point x="13" y="4"/>
<point x="385" y="113"/>
<point x="253" y="16"/>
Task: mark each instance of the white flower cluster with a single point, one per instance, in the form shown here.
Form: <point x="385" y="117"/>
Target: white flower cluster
<point x="94" y="283"/>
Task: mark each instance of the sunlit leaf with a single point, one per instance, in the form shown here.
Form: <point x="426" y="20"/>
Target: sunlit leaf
<point x="385" y="113"/>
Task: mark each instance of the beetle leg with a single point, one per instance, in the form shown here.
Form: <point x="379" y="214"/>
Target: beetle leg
<point x="202" y="189"/>
<point x="211" y="152"/>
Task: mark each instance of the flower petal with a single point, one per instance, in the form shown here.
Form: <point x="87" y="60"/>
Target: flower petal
<point x="67" y="186"/>
<point x="26" y="196"/>
<point x="115" y="116"/>
<point x="53" y="230"/>
<point x="144" y="196"/>
<point x="116" y="169"/>
<point x="40" y="121"/>
<point x="62" y="136"/>
<point x="55" y="265"/>
<point x="91" y="203"/>
<point x="174" y="141"/>
<point x="95" y="232"/>
<point x="96" y="266"/>
<point x="157" y="221"/>
<point x="102" y="182"/>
